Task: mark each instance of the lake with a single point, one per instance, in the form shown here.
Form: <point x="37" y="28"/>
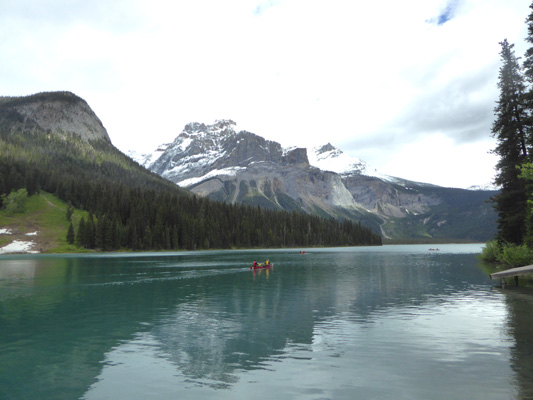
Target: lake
<point x="390" y="322"/>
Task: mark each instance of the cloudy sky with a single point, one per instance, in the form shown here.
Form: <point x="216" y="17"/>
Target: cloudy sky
<point x="407" y="86"/>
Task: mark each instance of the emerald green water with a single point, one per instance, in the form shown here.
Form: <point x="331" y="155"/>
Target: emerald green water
<point x="394" y="322"/>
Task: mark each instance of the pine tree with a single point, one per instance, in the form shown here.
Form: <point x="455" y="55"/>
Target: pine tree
<point x="70" y="211"/>
<point x="99" y="232"/>
<point x="90" y="232"/>
<point x="528" y="70"/>
<point x="70" y="234"/>
<point x="528" y="103"/>
<point x="81" y="238"/>
<point x="147" y="241"/>
<point x="510" y="131"/>
<point x="174" y="240"/>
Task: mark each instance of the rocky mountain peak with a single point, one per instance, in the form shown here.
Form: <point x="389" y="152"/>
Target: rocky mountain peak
<point x="325" y="148"/>
<point x="61" y="113"/>
<point x="219" y="128"/>
<point x="225" y="123"/>
<point x="193" y="127"/>
<point x="201" y="148"/>
<point x="199" y="138"/>
<point x="296" y="156"/>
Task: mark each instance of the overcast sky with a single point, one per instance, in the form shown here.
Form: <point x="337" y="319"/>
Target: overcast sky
<point x="407" y="86"/>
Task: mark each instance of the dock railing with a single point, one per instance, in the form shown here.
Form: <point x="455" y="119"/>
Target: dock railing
<point x="512" y="272"/>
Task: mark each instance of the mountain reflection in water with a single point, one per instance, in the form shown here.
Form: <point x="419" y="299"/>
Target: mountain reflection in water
<point x="391" y="322"/>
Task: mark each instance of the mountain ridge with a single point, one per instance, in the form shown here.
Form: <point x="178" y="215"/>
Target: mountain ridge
<point x="219" y="162"/>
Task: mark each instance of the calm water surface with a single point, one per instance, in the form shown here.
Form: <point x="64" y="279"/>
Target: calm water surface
<point x="394" y="322"/>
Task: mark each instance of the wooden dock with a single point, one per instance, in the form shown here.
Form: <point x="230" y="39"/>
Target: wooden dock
<point x="512" y="272"/>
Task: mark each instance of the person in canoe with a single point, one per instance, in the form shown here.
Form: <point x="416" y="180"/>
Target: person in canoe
<point x="255" y="264"/>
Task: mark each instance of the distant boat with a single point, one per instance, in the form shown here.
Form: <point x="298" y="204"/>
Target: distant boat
<point x="434" y="249"/>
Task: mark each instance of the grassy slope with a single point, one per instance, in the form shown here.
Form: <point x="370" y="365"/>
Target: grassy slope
<point x="46" y="214"/>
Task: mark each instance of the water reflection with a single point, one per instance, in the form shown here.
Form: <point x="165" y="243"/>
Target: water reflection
<point x="327" y="324"/>
<point x="341" y="316"/>
<point x="519" y="303"/>
<point x="18" y="269"/>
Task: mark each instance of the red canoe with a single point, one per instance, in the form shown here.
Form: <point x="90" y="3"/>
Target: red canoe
<point x="262" y="266"/>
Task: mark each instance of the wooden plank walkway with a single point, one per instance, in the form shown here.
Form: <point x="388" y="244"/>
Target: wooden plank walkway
<point x="528" y="269"/>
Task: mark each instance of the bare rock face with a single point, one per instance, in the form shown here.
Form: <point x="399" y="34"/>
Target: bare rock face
<point x="388" y="200"/>
<point x="244" y="148"/>
<point x="225" y="164"/>
<point x="297" y="156"/>
<point x="52" y="112"/>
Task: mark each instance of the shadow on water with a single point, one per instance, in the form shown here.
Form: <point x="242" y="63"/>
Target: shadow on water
<point x="67" y="322"/>
<point x="519" y="302"/>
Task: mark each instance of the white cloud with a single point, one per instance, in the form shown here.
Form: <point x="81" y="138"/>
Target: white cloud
<point x="377" y="79"/>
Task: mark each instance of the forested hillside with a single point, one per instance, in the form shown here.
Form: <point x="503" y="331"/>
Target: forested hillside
<point x="131" y="208"/>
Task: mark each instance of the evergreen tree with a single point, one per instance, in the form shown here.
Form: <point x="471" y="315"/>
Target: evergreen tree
<point x="528" y="103"/>
<point x="31" y="183"/>
<point x="70" y="211"/>
<point x="99" y="232"/>
<point x="147" y="240"/>
<point x="90" y="233"/>
<point x="175" y="238"/>
<point x="528" y="71"/>
<point x="512" y="148"/>
<point x="81" y="238"/>
<point x="107" y="235"/>
<point x="70" y="234"/>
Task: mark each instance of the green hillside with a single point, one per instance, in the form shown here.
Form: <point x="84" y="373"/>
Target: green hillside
<point x="42" y="221"/>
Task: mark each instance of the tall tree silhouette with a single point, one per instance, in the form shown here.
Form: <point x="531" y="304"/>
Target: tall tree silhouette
<point x="509" y="128"/>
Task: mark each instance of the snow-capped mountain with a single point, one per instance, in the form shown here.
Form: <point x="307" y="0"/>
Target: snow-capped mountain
<point x="210" y="146"/>
<point x="330" y="158"/>
<point x="234" y="166"/>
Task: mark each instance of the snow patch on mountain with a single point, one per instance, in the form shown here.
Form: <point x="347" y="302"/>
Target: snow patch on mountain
<point x="189" y="163"/>
<point x="330" y="158"/>
<point x="147" y="159"/>
<point x="185" y="143"/>
<point x="231" y="171"/>
<point x="19" y="246"/>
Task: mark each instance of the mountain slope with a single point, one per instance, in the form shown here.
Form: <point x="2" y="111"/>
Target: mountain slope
<point x="62" y="113"/>
<point x="53" y="142"/>
<point x="219" y="162"/>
